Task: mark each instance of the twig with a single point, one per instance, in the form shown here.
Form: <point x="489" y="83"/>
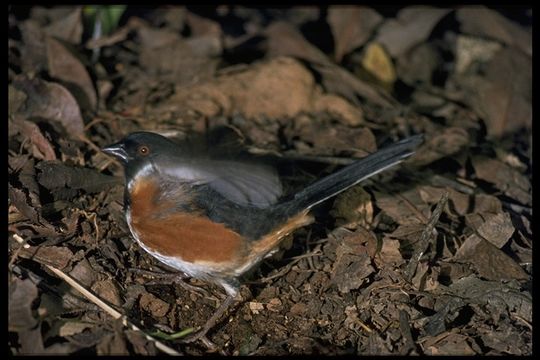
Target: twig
<point x="424" y="238"/>
<point x="103" y="305"/>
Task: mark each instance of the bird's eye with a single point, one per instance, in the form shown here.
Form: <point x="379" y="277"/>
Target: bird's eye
<point x="144" y="150"/>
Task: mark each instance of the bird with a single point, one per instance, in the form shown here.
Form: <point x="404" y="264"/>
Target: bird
<point x="215" y="219"/>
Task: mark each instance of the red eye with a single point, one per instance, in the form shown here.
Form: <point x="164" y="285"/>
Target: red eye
<point x="144" y="150"/>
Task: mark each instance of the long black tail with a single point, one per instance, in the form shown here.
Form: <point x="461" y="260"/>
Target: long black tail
<point x="353" y="174"/>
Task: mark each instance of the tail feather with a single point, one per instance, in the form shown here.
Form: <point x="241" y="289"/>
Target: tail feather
<point x="353" y="174"/>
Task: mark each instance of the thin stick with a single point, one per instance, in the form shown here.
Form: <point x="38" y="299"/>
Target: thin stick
<point x="106" y="307"/>
<point x="424" y="237"/>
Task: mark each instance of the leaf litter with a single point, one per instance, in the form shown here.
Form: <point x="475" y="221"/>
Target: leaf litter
<point x="387" y="268"/>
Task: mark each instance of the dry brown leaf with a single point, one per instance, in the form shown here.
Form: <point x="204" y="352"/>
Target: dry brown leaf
<point x="353" y="262"/>
<point x="449" y="141"/>
<point x="503" y="96"/>
<point x="495" y="228"/>
<point x="22" y="294"/>
<point x="64" y="66"/>
<point x="412" y="26"/>
<point x="108" y="290"/>
<point x="490" y="262"/>
<point x="285" y="40"/>
<point x="68" y="27"/>
<point x="55" y="256"/>
<point x="390" y="253"/>
<point x="419" y="64"/>
<point x="484" y="22"/>
<point x="353" y="208"/>
<point x="351" y="26"/>
<point x="507" y="179"/>
<point x="404" y="208"/>
<point x="51" y="101"/>
<point x="155" y="306"/>
<point x="41" y="147"/>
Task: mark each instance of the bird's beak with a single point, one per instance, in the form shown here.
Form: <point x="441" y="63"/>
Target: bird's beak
<point x="117" y="150"/>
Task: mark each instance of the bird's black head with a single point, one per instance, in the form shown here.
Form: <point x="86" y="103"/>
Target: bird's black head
<point x="139" y="149"/>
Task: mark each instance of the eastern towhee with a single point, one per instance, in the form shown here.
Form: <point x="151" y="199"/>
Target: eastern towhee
<point x="216" y="219"/>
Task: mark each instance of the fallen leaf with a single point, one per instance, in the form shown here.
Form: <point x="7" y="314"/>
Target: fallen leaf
<point x="484" y="22"/>
<point x="351" y="26"/>
<point x="449" y="141"/>
<point x="68" y="27"/>
<point x="353" y="208"/>
<point x="57" y="176"/>
<point x="495" y="228"/>
<point x="64" y="66"/>
<point x="412" y="26"/>
<point x="155" y="306"/>
<point x="22" y="294"/>
<point x="55" y="256"/>
<point x="352" y="266"/>
<point x="507" y="179"/>
<point x="378" y="64"/>
<point x="403" y="208"/>
<point x="390" y="253"/>
<point x="17" y="198"/>
<point x="41" y="147"/>
<point x="108" y="290"/>
<point x="73" y="327"/>
<point x="490" y="262"/>
<point x="33" y="51"/>
<point x="503" y="96"/>
<point x="419" y="64"/>
<point x="51" y="101"/>
<point x="470" y="50"/>
<point x="285" y="40"/>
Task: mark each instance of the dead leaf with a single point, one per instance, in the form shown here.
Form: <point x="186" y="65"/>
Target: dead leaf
<point x="353" y="263"/>
<point x="378" y="64"/>
<point x="57" y="176"/>
<point x="112" y="344"/>
<point x="68" y="27"/>
<point x="312" y="136"/>
<point x="73" y="327"/>
<point x="141" y="345"/>
<point x="33" y="51"/>
<point x="353" y="208"/>
<point x="503" y="96"/>
<point x="507" y="179"/>
<point x="41" y="147"/>
<point x="412" y="26"/>
<point x="404" y="208"/>
<point x="22" y="294"/>
<point x="55" y="256"/>
<point x="17" y="198"/>
<point x="490" y="262"/>
<point x="283" y="39"/>
<point x="495" y="228"/>
<point x="449" y="141"/>
<point x="51" y="101"/>
<point x="450" y="344"/>
<point x="64" y="66"/>
<point x="484" y="22"/>
<point x="390" y="253"/>
<point x="470" y="50"/>
<point x="419" y="64"/>
<point x="351" y="26"/>
<point x="108" y="290"/>
<point x="155" y="306"/>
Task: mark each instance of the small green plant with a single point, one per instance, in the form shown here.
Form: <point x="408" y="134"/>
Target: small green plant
<point x="103" y="19"/>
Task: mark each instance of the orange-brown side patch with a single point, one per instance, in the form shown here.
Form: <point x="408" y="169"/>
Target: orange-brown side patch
<point x="271" y="241"/>
<point x="188" y="236"/>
